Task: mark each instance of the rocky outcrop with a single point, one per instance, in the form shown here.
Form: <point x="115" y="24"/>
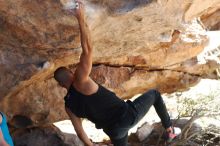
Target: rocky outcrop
<point x="138" y="45"/>
<point x="44" y="136"/>
<point x="155" y="135"/>
<point x="211" y="20"/>
<point x="208" y="11"/>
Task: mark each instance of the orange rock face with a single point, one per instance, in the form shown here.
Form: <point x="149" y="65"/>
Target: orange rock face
<point x="138" y="45"/>
<point x="211" y="20"/>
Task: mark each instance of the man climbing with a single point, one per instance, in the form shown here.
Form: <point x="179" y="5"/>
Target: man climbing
<point x="5" y="138"/>
<point x="87" y="99"/>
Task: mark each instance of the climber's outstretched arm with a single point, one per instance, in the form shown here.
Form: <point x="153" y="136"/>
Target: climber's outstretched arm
<point x="77" y="123"/>
<point x="85" y="65"/>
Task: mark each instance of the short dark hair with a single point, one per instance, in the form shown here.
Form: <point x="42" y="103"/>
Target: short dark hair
<point x="59" y="71"/>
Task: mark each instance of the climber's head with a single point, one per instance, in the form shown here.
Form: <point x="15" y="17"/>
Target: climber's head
<point x="64" y="77"/>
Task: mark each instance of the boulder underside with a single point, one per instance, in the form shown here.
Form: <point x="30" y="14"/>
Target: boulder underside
<point x="138" y="45"/>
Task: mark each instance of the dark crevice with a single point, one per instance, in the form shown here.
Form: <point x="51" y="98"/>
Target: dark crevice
<point x="20" y="121"/>
<point x="121" y="6"/>
<point x="130" y="6"/>
<point x="144" y="68"/>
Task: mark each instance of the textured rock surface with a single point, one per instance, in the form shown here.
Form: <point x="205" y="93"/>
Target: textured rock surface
<point x="144" y="131"/>
<point x="138" y="45"/>
<point x="211" y="20"/>
<point x="44" y="136"/>
<point x="209" y="12"/>
<point x="155" y="136"/>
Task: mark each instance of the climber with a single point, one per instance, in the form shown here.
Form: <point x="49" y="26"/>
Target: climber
<point x="5" y="138"/>
<point x="87" y="99"/>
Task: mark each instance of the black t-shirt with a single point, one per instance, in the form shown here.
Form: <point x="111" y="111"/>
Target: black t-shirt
<point x="103" y="108"/>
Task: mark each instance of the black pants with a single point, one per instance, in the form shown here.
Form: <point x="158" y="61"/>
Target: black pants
<point x="136" y="111"/>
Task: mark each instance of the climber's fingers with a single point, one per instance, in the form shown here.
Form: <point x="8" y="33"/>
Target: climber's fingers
<point x="79" y="4"/>
<point x="79" y="11"/>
